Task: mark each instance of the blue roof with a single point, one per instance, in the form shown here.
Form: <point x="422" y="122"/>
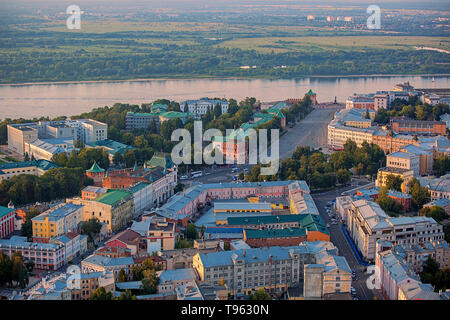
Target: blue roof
<point x="90" y="275"/>
<point x="21" y="242"/>
<point x="175" y="275"/>
<point x="62" y="238"/>
<point x="223" y="230"/>
<point x="171" y="208"/>
<point x="443" y="202"/>
<point x="400" y="154"/>
<point x="141" y="227"/>
<point x="108" y="262"/>
<point x="58" y="212"/>
<point x="224" y="258"/>
<point x="129" y="285"/>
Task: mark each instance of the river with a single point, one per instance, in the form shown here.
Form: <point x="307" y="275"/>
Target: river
<point x="36" y="100"/>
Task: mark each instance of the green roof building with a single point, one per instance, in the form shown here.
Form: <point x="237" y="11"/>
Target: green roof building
<point x="114" y="197"/>
<point x="95" y="168"/>
<point x="160" y="160"/>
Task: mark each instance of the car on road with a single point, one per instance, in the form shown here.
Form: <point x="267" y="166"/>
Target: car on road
<point x="183" y="177"/>
<point x="245" y="170"/>
<point x="196" y="174"/>
<point x="328" y="225"/>
<point x="234" y="170"/>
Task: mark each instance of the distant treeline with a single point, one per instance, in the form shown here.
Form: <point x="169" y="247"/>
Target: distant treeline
<point x="51" y="56"/>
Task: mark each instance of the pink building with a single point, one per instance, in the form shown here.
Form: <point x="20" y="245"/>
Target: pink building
<point x="181" y="207"/>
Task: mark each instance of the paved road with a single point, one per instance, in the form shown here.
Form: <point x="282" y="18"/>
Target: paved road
<point x="339" y="240"/>
<point x="311" y="131"/>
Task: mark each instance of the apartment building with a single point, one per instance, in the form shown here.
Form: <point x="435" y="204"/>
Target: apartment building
<point x="397" y="278"/>
<point x="424" y="152"/>
<point x="350" y="124"/>
<point x="92" y="192"/>
<point x="342" y="206"/>
<point x="443" y="203"/>
<point x="47" y="148"/>
<point x="56" y="221"/>
<point x="34" y="167"/>
<point x="73" y="244"/>
<point x="274" y="269"/>
<point x="83" y="130"/>
<point x="201" y="106"/>
<point x="360" y="101"/>
<point x="404" y="160"/>
<point x="142" y="196"/>
<point x="405" y="174"/>
<point x="99" y="263"/>
<point x="410" y="126"/>
<point x="368" y="223"/>
<point x="161" y="235"/>
<point x="115" y="209"/>
<point x="438" y="187"/>
<point x="7" y="221"/>
<point x="390" y="142"/>
<point x="134" y="120"/>
<point x="83" y="285"/>
<point x="417" y="254"/>
<point x="169" y="280"/>
<point x="46" y="256"/>
<point x="330" y="275"/>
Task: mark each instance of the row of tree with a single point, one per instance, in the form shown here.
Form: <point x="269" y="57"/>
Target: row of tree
<point x="432" y="274"/>
<point x="411" y="109"/>
<point x="14" y="271"/>
<point x="57" y="183"/>
<point x="321" y="171"/>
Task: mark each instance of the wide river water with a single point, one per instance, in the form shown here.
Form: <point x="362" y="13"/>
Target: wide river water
<point x="35" y="100"/>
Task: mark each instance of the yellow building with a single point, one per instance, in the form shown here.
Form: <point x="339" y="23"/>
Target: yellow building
<point x="405" y="174"/>
<point x="115" y="209"/>
<point x="161" y="235"/>
<point x="56" y="221"/>
<point x="242" y="207"/>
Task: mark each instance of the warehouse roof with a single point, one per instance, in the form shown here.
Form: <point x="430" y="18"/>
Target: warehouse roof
<point x="274" y="233"/>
